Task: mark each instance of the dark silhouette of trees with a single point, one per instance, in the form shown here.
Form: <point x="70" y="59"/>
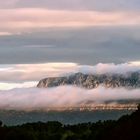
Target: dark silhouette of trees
<point x="0" y="123"/>
<point x="126" y="128"/>
<point x="138" y="107"/>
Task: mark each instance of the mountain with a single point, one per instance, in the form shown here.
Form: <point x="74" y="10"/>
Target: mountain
<point x="90" y="81"/>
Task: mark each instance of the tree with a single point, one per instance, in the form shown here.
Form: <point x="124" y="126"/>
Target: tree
<point x="1" y="123"/>
<point x="138" y="107"/>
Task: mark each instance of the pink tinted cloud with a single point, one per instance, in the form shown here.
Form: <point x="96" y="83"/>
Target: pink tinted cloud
<point x="20" y="19"/>
<point x="35" y="72"/>
<point x="64" y="96"/>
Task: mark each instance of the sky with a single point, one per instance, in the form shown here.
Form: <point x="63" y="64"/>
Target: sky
<point x="45" y="38"/>
<point x="28" y="75"/>
<point x="19" y="16"/>
<point x="68" y="34"/>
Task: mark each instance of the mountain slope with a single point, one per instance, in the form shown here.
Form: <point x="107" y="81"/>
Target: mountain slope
<point x="90" y="81"/>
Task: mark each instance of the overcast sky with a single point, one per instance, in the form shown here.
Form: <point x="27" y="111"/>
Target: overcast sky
<point x="98" y="5"/>
<point x="18" y="16"/>
<point x="80" y="31"/>
<point x="63" y="33"/>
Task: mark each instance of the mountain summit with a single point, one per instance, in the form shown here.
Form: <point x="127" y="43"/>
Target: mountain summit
<point x="90" y="81"/>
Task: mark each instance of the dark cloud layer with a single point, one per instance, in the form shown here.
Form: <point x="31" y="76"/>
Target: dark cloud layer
<point x="84" y="46"/>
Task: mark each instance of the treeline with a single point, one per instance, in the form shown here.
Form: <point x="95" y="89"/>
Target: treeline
<point x="126" y="128"/>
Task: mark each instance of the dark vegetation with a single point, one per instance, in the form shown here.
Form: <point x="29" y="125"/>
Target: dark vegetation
<point x="126" y="128"/>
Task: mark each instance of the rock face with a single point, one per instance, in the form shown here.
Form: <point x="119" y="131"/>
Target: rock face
<point x="89" y="81"/>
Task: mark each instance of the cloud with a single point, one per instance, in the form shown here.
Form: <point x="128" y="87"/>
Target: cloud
<point x="28" y="19"/>
<point x="8" y="86"/>
<point x="39" y="46"/>
<point x="65" y="96"/>
<point x="111" y="68"/>
<point x="8" y="4"/>
<point x="135" y="63"/>
<point x="35" y="72"/>
<point x="5" y="33"/>
<point x="98" y="5"/>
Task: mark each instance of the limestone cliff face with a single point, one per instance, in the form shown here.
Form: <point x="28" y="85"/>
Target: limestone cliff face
<point x="89" y="81"/>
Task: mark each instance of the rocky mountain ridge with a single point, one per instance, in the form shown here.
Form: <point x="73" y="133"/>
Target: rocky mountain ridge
<point x="90" y="81"/>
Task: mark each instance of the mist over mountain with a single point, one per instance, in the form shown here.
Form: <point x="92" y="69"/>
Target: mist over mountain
<point x="68" y="85"/>
<point x="90" y="81"/>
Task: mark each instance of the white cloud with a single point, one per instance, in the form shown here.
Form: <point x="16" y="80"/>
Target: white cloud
<point x="135" y="63"/>
<point x="111" y="68"/>
<point x="5" y="33"/>
<point x="65" y="96"/>
<point x="35" y="72"/>
<point x="8" y="86"/>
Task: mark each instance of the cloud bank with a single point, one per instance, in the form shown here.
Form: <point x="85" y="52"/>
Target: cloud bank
<point x="99" y="5"/>
<point x="66" y="96"/>
<point x="29" y="99"/>
<point x="28" y="19"/>
<point x="19" y="16"/>
<point x="35" y="72"/>
<point x="9" y="86"/>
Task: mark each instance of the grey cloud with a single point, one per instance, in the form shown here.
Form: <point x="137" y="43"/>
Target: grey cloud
<point x="99" y="5"/>
<point x="85" y="46"/>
